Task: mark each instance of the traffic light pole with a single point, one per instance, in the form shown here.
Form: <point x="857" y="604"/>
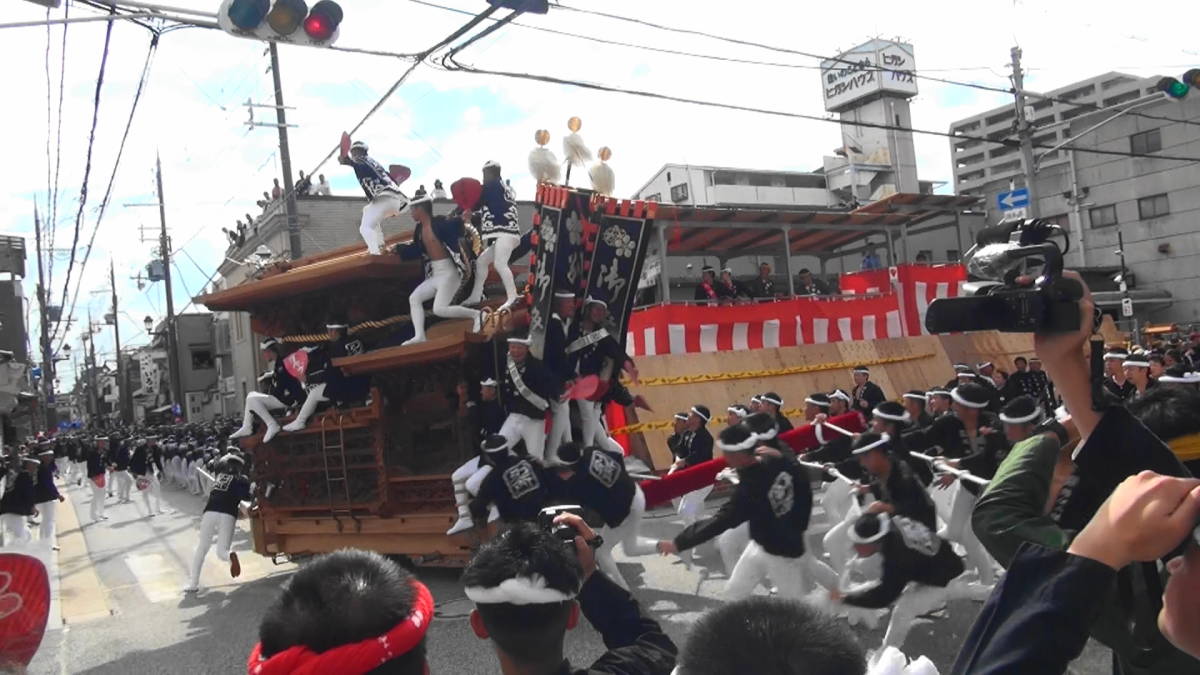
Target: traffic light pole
<point x="1025" y="132"/>
<point x="164" y="243"/>
<point x="285" y="158"/>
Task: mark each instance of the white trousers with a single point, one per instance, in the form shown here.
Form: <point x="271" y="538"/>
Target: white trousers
<point x="124" y="484"/>
<point x="756" y="565"/>
<point x="560" y="427"/>
<point x="373" y="214"/>
<point x="98" y="494"/>
<point x="591" y="418"/>
<point x="64" y="467"/>
<point x="916" y="600"/>
<point x="497" y="254"/>
<point x="730" y="545"/>
<point x="958" y="528"/>
<point x="152" y="491"/>
<point x="49" y="513"/>
<point x="628" y="534"/>
<point x="532" y="431"/>
<point x="79" y="471"/>
<point x="193" y="478"/>
<point x="212" y="523"/>
<point x="258" y="403"/>
<point x="440" y="287"/>
<point x="16" y="530"/>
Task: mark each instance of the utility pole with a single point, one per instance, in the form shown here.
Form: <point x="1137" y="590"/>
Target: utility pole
<point x="89" y="367"/>
<point x="47" y="357"/>
<point x="1024" y="132"/>
<point x="125" y="407"/>
<point x="285" y="158"/>
<point x="164" y="243"/>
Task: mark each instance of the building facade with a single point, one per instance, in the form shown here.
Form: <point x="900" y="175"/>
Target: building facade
<point x="1146" y="206"/>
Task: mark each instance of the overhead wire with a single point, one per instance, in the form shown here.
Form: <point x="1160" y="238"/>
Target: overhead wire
<point x="137" y="97"/>
<point x="456" y="66"/>
<point x="53" y="196"/>
<point x="87" y="167"/>
<point x="855" y="64"/>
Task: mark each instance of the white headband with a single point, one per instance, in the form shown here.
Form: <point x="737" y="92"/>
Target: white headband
<point x="737" y="410"/>
<point x="883" y="438"/>
<point x="701" y="415"/>
<point x="490" y="382"/>
<point x="739" y="447"/>
<point x="1031" y="417"/>
<point x="1136" y="362"/>
<point x="517" y="591"/>
<point x="520" y="341"/>
<point x="1115" y="356"/>
<point x="885" y="524"/>
<point x="820" y="404"/>
<point x="917" y="397"/>
<point x="840" y="394"/>
<point x="906" y="418"/>
<point x="864" y="371"/>
<point x="959" y="397"/>
<point x="682" y="417"/>
<point x="770" y="399"/>
<point x="1186" y="378"/>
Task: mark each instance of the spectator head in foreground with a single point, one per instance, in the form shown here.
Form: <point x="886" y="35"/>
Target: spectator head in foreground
<point x="523" y="584"/>
<point x="770" y="636"/>
<point x="347" y="612"/>
<point x="1170" y="413"/>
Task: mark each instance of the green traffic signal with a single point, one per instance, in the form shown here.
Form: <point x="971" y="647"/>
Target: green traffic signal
<point x="1172" y="87"/>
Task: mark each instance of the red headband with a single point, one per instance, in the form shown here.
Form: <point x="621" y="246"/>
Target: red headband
<point x="355" y="658"/>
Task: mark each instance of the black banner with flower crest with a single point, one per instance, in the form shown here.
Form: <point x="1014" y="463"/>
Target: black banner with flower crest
<point x="616" y="251"/>
<point x="558" y="257"/>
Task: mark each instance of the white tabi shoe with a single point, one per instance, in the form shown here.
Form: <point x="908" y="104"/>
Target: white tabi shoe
<point x="461" y="525"/>
<point x="242" y="432"/>
<point x="413" y="341"/>
<point x="272" y="431"/>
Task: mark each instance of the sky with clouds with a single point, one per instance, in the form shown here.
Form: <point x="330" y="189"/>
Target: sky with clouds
<point x="446" y="124"/>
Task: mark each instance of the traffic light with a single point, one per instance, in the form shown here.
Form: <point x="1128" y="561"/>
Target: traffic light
<point x="1172" y="87"/>
<point x="323" y="20"/>
<point x="1179" y="88"/>
<point x="281" y="21"/>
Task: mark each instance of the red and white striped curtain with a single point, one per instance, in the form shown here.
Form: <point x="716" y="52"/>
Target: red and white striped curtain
<point x="898" y="299"/>
<point x="916" y="286"/>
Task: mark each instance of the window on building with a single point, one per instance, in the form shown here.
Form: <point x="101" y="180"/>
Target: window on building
<point x="952" y="255"/>
<point x="1103" y="216"/>
<point x="679" y="193"/>
<point x="925" y="255"/>
<point x="202" y="359"/>
<point x="1146" y="142"/>
<point x="656" y="197"/>
<point x="1153" y="207"/>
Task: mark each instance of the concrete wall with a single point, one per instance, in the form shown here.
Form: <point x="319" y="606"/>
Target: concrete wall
<point x="13" y="335"/>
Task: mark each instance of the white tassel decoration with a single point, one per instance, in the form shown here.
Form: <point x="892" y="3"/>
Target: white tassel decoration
<point x="544" y="165"/>
<point x="604" y="181"/>
<point x="576" y="150"/>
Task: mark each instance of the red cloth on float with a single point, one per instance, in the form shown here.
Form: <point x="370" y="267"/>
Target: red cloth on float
<point x="692" y="478"/>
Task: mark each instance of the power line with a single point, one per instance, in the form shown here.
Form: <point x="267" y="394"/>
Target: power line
<point x="779" y="113"/>
<point x="836" y="59"/>
<point x="52" y="195"/>
<point x="137" y="96"/>
<point x="87" y="167"/>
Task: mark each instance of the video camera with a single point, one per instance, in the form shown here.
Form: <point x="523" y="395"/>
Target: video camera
<point x="1002" y="254"/>
<point x="561" y="531"/>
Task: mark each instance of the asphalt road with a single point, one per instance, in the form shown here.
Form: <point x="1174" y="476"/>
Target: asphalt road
<point x="123" y="610"/>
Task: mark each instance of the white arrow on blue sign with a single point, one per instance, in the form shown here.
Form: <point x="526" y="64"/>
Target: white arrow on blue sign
<point x="1014" y="199"/>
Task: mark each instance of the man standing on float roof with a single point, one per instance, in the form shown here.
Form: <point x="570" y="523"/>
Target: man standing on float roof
<point x="384" y="198"/>
<point x="500" y="233"/>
